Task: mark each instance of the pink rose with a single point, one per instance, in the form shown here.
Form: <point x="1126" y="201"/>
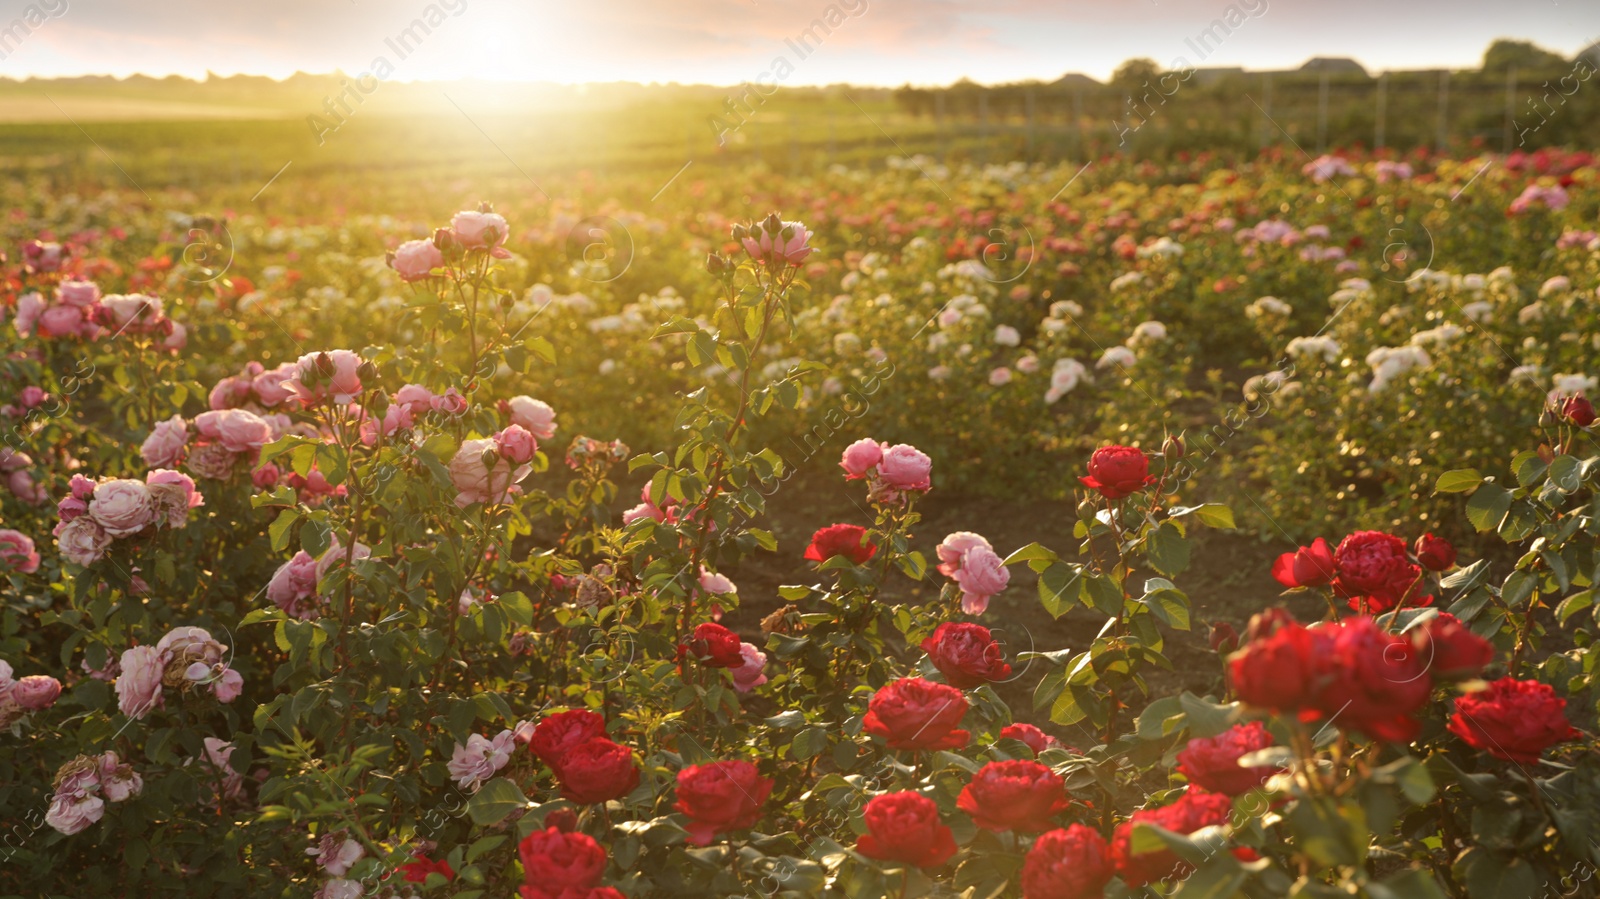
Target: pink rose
<point x="82" y="541"/>
<point x="750" y="675"/>
<point x="228" y="393"/>
<point x="81" y="487"/>
<point x="139" y="684"/>
<point x="534" y="415"/>
<point x="333" y="374"/>
<point x="36" y="692"/>
<point x="165" y="477"/>
<point x="265" y="477"/>
<point x="395" y="418"/>
<point x="294" y="585"/>
<point x="72" y="814"/>
<point x="117" y="780"/>
<point x="178" y="338"/>
<point x="122" y="507"/>
<point x="29" y="307"/>
<point x="451" y="402"/>
<point x="271" y="387"/>
<point x="124" y="311"/>
<point x="643" y="510"/>
<point x="477" y="761"/>
<point x="23" y="488"/>
<point x="479" y="229"/>
<point x="238" y="430"/>
<point x="165" y="445"/>
<point x="60" y="321"/>
<point x="218" y="754"/>
<point x="905" y="467"/>
<point x="415" y="259"/>
<point x="31" y="397"/>
<point x="337" y="553"/>
<point x="712" y="582"/>
<point x="954" y="547"/>
<point x="515" y="444"/>
<point x="337" y="855"/>
<point x="861" y="457"/>
<point x="17" y="552"/>
<point x="227" y="686"/>
<point x="473" y="478"/>
<point x="415" y="398"/>
<point x="774" y="243"/>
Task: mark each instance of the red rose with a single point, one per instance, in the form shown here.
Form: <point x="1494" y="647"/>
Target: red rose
<point x="1435" y="553"/>
<point x="912" y="713"/>
<point x="1223" y="637"/>
<point x="715" y="646"/>
<point x="1018" y="795"/>
<point x="598" y="771"/>
<point x="720" y="796"/>
<point x="1116" y="471"/>
<point x="1308" y="566"/>
<point x="905" y="827"/>
<point x="1213" y="763"/>
<point x="418" y="869"/>
<point x="1578" y="410"/>
<point x="1194" y="810"/>
<point x="1273" y="671"/>
<point x="1369" y="680"/>
<point x="848" y="540"/>
<point x="531" y="892"/>
<point x="966" y="655"/>
<point x="1373" y="571"/>
<point x="558" y="734"/>
<point x="1514" y="720"/>
<point x="1074" y="863"/>
<point x="554" y="861"/>
<point x="1450" y="650"/>
<point x="1036" y="739"/>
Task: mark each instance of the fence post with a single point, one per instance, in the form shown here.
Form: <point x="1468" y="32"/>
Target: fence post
<point x="1444" y="110"/>
<point x="1322" y="113"/>
<point x="1028" y="104"/>
<point x="1266" y="108"/>
<point x="1383" y="109"/>
<point x="1511" y="107"/>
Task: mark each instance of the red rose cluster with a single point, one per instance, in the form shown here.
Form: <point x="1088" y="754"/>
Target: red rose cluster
<point x="713" y="646"/>
<point x="1020" y="795"/>
<point x="1353" y="671"/>
<point x="1370" y="569"/>
<point x="1194" y="809"/>
<point x="590" y="767"/>
<point x="1213" y="763"/>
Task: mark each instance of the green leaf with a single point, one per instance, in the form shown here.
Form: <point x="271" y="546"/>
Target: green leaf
<point x="279" y="529"/>
<point x="1213" y="515"/>
<point x="702" y="348"/>
<point x="1565" y="475"/>
<point x="1488" y="507"/>
<point x="1528" y="468"/>
<point x="1168" y="551"/>
<point x="1491" y="875"/>
<point x="1059" y="587"/>
<point x="1460" y="480"/>
<point x="809" y="743"/>
<point x="1167" y="603"/>
<point x="1103" y="594"/>
<point x="495" y="801"/>
<point x="1031" y="553"/>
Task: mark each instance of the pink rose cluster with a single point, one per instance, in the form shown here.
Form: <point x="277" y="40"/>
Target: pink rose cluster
<point x="1326" y="167"/>
<point x="969" y="560"/>
<point x="330" y="376"/>
<point x="44" y="256"/>
<point x="587" y="452"/>
<point x="79" y="312"/>
<point x="97" y="513"/>
<point x="481" y="469"/>
<point x="256" y="387"/>
<point x="17" y="553"/>
<point x="293" y="587"/>
<point x="1552" y="197"/>
<point x="14" y="467"/>
<point x="891" y="472"/>
<point x="28" y="399"/>
<point x="223" y="439"/>
<point x="667" y="512"/>
<point x="187" y="658"/>
<point x="84" y="785"/>
<point x="18" y="697"/>
<point x="410" y="403"/>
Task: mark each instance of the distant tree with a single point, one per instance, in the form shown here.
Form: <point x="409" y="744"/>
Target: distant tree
<point x="1506" y="54"/>
<point x="1135" y="72"/>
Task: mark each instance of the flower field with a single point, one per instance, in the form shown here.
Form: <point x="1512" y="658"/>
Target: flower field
<point x="582" y="546"/>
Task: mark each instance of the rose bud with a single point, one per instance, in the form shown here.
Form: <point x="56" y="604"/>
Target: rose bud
<point x="1578" y="410"/>
<point x="1224" y="639"/>
<point x="1308" y="566"/>
<point x="1435" y="553"/>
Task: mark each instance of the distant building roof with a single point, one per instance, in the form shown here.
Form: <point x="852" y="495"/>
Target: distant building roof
<point x="1076" y="79"/>
<point x="1332" y="64"/>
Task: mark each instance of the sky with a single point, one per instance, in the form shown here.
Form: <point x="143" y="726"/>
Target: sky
<point x="881" y="42"/>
